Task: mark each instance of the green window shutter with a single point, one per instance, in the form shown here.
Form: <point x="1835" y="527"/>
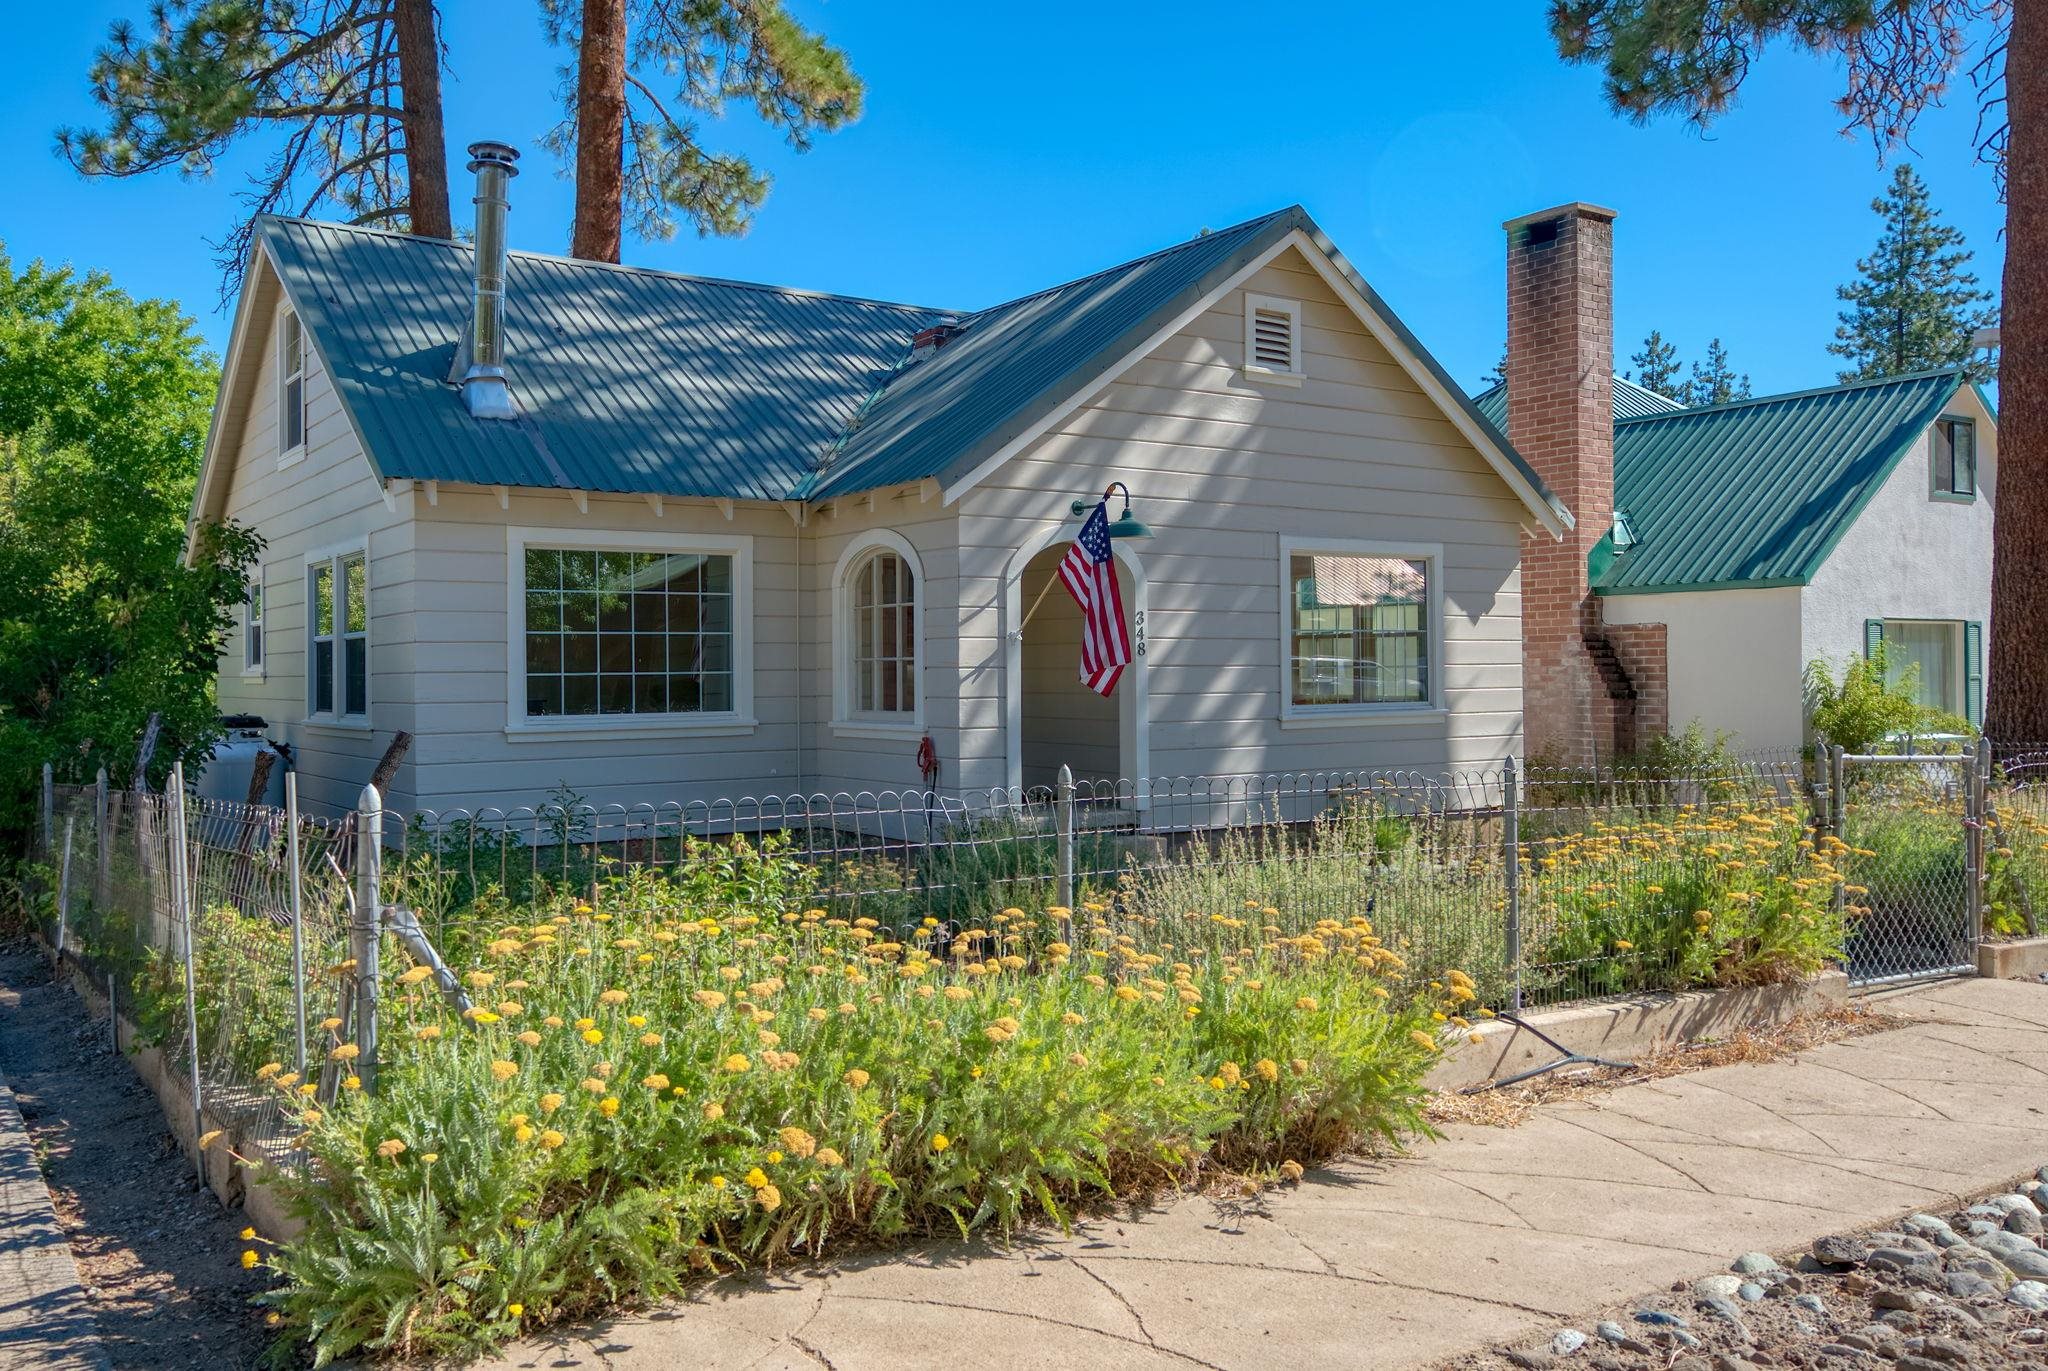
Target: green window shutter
<point x="1873" y="635"/>
<point x="1973" y="673"/>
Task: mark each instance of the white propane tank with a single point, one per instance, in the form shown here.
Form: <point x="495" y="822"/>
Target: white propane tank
<point x="227" y="772"/>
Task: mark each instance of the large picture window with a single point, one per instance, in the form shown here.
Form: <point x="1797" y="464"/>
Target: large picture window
<point x="629" y="631"/>
<point x="1359" y="631"/>
<point x="338" y="637"/>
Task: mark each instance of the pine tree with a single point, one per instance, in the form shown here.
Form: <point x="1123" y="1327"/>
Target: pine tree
<point x="1715" y="382"/>
<point x="1656" y="368"/>
<point x="1917" y="303"/>
<point x="639" y="158"/>
<point x="350" y="89"/>
<point x="1498" y="376"/>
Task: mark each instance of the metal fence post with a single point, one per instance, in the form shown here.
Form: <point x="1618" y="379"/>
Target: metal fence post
<point x="291" y="849"/>
<point x="181" y="917"/>
<point x="1973" y="843"/>
<point x="1511" y="869"/>
<point x="1064" y="803"/>
<point x="64" y="889"/>
<point x="363" y="939"/>
<point x="102" y="851"/>
<point x="48" y="829"/>
<point x="1838" y="804"/>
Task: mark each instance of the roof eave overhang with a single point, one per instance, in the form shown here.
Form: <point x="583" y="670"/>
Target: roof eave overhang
<point x="1693" y="587"/>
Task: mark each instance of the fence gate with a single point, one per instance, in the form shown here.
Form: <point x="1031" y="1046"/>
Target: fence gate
<point x="1910" y="877"/>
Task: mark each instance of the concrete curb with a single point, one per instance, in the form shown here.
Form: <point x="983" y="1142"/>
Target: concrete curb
<point x="2011" y="960"/>
<point x="44" y="1318"/>
<point x="1628" y="1027"/>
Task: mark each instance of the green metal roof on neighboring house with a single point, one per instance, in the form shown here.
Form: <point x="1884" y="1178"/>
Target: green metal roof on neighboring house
<point x="657" y="383"/>
<point x="1631" y="401"/>
<point x="1757" y="492"/>
<point x="627" y="380"/>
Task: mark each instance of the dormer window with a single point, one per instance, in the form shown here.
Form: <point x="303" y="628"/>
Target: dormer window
<point x="1955" y="459"/>
<point x="1272" y="339"/>
<point x="291" y="389"/>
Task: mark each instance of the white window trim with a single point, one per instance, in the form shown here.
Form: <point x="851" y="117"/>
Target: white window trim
<point x="334" y="554"/>
<point x="257" y="669"/>
<point x="1292" y="375"/>
<point x="734" y="722"/>
<point x="847" y="722"/>
<point x="1431" y="555"/>
<point x="290" y="456"/>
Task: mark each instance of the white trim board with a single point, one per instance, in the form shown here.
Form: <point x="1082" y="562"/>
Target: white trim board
<point x="845" y="720"/>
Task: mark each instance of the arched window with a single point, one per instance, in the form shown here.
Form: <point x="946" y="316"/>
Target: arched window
<point x="878" y="634"/>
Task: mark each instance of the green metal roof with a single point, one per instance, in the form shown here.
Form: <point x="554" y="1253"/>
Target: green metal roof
<point x="627" y="380"/>
<point x="1631" y="401"/>
<point x="657" y="383"/>
<point x="1757" y="493"/>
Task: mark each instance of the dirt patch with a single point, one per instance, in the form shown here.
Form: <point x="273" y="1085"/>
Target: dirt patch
<point x="159" y="1257"/>
<point x="1509" y="1105"/>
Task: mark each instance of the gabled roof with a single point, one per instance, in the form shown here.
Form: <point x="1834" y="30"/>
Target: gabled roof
<point x="1631" y="401"/>
<point x="651" y="382"/>
<point x="627" y="380"/>
<point x="1758" y="492"/>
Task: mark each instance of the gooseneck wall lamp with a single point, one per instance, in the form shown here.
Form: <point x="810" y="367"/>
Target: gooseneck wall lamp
<point x="1126" y="524"/>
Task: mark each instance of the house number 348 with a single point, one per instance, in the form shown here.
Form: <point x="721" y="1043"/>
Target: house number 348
<point x="1138" y="631"/>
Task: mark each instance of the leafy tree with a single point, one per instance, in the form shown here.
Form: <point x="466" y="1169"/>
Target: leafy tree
<point x="1691" y="56"/>
<point x="1870" y="703"/>
<point x="104" y="402"/>
<point x="644" y="70"/>
<point x="348" y="92"/>
<point x="1916" y="305"/>
<point x="1714" y="382"/>
<point x="1656" y="368"/>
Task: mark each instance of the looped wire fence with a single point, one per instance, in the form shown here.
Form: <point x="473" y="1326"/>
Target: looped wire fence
<point x="1543" y="885"/>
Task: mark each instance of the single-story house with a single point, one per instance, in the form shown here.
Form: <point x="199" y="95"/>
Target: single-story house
<point x="650" y="538"/>
<point x="659" y="538"/>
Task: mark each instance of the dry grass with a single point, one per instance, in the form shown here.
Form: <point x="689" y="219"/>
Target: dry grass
<point x="1510" y="1105"/>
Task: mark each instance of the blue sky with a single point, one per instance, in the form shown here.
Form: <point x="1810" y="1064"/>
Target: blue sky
<point x="1008" y="147"/>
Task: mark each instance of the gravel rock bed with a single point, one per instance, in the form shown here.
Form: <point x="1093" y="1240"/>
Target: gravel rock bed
<point x="1961" y="1291"/>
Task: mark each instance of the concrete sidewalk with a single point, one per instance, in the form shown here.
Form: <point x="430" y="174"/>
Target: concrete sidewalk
<point x="1484" y="1237"/>
<point x="44" y="1318"/>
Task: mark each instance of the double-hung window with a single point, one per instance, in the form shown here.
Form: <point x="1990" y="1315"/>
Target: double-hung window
<point x="291" y="389"/>
<point x="1359" y="630"/>
<point x="338" y="637"/>
<point x="1955" y="458"/>
<point x="618" y="628"/>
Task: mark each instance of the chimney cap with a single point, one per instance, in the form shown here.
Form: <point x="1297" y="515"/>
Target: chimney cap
<point x="491" y="153"/>
<point x="1577" y="209"/>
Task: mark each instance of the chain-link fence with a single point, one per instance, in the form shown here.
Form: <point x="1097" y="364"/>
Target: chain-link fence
<point x="246" y="941"/>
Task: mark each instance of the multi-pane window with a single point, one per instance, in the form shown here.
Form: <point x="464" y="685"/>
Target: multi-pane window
<point x="882" y="614"/>
<point x="628" y="632"/>
<point x="338" y="633"/>
<point x="252" y="627"/>
<point x="1360" y="630"/>
<point x="1955" y="457"/>
<point x="291" y="391"/>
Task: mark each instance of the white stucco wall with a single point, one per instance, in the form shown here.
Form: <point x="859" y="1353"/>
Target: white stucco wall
<point x="1908" y="556"/>
<point x="1734" y="659"/>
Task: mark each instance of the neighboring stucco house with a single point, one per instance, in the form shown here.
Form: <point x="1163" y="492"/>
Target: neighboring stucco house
<point x="1769" y="532"/>
<point x="1719" y="550"/>
<point x="741" y="540"/>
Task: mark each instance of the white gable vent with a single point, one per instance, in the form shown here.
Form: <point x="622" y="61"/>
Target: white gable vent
<point x="1272" y="338"/>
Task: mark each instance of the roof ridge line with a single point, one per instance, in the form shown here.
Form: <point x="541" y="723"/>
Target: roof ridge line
<point x="733" y="283"/>
<point x="1811" y="391"/>
<point x="1168" y="250"/>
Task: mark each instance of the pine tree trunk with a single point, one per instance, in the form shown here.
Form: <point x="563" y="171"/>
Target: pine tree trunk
<point x="2018" y="705"/>
<point x="600" y="131"/>
<point x="426" y="144"/>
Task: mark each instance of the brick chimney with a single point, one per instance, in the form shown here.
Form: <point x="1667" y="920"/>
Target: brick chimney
<point x="1576" y="698"/>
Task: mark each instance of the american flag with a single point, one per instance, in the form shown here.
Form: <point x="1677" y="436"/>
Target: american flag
<point x="1088" y="571"/>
